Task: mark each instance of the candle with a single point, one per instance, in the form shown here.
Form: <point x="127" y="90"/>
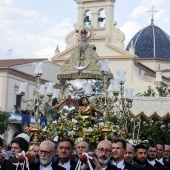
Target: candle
<point x="56" y="93"/>
<point x="38" y="68"/>
<point x="42" y="89"/>
<point x="49" y="86"/>
<point x="88" y="90"/>
<point x="121" y="75"/>
<point x="129" y="93"/>
<point x="115" y="85"/>
<point x="22" y="88"/>
<point x="104" y="65"/>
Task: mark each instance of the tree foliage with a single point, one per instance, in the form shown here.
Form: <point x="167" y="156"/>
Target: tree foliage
<point x="4" y="121"/>
<point x="155" y="131"/>
<point x="162" y="89"/>
<point x="149" y="92"/>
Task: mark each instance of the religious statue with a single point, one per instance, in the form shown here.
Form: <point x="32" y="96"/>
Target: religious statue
<point x="87" y="109"/>
<point x="68" y="107"/>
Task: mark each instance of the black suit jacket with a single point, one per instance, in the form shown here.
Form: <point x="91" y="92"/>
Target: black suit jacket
<point x="112" y="167"/>
<point x="8" y="165"/>
<point x="147" y="166"/>
<point x="73" y="165"/>
<point x="166" y="165"/>
<point x="129" y="166"/>
<point x="37" y="167"/>
<point x="159" y="166"/>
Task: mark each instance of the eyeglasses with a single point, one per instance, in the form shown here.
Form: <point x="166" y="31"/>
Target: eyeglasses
<point x="166" y="151"/>
<point x="101" y="150"/>
<point x="45" y="152"/>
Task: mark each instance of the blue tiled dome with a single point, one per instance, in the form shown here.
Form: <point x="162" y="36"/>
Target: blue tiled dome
<point x="151" y="42"/>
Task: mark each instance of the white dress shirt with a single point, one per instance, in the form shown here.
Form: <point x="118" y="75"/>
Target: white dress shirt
<point x="48" y="167"/>
<point x="160" y="161"/>
<point x="120" y="165"/>
<point x="151" y="162"/>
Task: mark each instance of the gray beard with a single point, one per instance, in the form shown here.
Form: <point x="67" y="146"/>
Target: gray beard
<point x="106" y="161"/>
<point x="43" y="161"/>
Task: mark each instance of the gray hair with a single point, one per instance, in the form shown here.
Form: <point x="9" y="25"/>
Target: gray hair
<point x="52" y="144"/>
<point x="104" y="141"/>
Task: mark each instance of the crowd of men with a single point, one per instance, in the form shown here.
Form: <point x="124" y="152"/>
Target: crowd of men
<point x="115" y="155"/>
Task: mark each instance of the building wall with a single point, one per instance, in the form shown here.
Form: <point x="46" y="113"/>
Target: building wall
<point x="155" y="64"/>
<point x="11" y="79"/>
<point x="3" y="89"/>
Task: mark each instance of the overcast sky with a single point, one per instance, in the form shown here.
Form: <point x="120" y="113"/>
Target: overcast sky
<point x="33" y="28"/>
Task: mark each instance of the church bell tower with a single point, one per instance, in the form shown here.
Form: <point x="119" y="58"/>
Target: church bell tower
<point x="100" y="15"/>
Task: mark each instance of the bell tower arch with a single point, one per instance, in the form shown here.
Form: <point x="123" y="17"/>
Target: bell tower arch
<point x="95" y="7"/>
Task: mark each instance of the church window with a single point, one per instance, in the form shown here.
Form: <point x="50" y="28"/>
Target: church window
<point x="87" y="18"/>
<point x="101" y="18"/>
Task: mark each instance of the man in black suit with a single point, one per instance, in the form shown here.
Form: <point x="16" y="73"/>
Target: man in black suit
<point x="103" y="155"/>
<point x="46" y="154"/>
<point x="159" y="156"/>
<point x="118" y="152"/>
<point x="65" y="148"/>
<point x="166" y="152"/>
<point x="81" y="147"/>
<point x="129" y="155"/>
<point x="151" y="157"/>
<point x="140" y="158"/>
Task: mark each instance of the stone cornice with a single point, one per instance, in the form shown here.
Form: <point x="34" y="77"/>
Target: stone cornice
<point x="22" y="75"/>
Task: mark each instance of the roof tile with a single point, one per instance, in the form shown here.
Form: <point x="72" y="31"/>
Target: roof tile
<point x="15" y="62"/>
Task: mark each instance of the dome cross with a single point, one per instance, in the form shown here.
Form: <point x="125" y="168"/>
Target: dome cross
<point x="152" y="11"/>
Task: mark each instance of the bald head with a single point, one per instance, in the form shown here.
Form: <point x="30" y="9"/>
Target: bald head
<point x="128" y="156"/>
<point x="104" y="142"/>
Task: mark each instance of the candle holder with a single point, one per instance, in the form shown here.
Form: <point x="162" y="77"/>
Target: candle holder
<point x="105" y="131"/>
<point x="116" y="103"/>
<point x="39" y="101"/>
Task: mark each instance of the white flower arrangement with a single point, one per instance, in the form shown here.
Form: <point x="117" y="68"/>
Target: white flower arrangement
<point x="74" y="120"/>
<point x="55" y="139"/>
<point x="71" y="133"/>
<point x="89" y="129"/>
<point x="44" y="129"/>
<point x="84" y="117"/>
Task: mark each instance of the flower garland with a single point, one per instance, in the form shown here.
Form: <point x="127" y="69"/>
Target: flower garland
<point x="79" y="128"/>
